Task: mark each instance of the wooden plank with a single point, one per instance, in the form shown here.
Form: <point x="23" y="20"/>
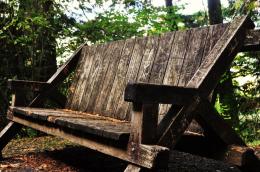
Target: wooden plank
<point x="167" y="119"/>
<point x="83" y="122"/>
<point x="131" y="75"/>
<point x="109" y="79"/>
<point x="215" y="33"/>
<point x="178" y="124"/>
<point x="179" y="48"/>
<point x="193" y="54"/>
<point x="23" y="84"/>
<point x="10" y="130"/>
<point x="149" y="155"/>
<point x="152" y="93"/>
<point x="118" y="85"/>
<point x="76" y="77"/>
<point x="148" y="59"/>
<point x="98" y="80"/>
<point x="94" y="75"/>
<point x="173" y="71"/>
<point x="104" y="128"/>
<point x="143" y="125"/>
<point x="221" y="56"/>
<point x="143" y="128"/>
<point x="162" y="57"/>
<point x="218" y="125"/>
<point x="89" y="59"/>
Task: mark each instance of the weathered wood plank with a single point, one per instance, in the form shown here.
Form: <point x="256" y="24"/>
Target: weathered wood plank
<point x="94" y="77"/>
<point x="179" y="48"/>
<point x="173" y="71"/>
<point x="143" y="125"/>
<point x="131" y="75"/>
<point x="179" y="123"/>
<point x="10" y="130"/>
<point x="120" y="78"/>
<point x="14" y="85"/>
<point x="193" y="54"/>
<point x="215" y="33"/>
<point x="148" y="59"/>
<point x="109" y="79"/>
<point x="99" y="79"/>
<point x="148" y="158"/>
<point x="76" y="76"/>
<point x="22" y="85"/>
<point x="151" y="93"/>
<point x="216" y="63"/>
<point x="84" y="122"/>
<point x="89" y="60"/>
<point x="162" y="57"/>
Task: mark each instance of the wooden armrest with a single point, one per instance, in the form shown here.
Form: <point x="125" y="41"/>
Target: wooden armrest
<point x="151" y="93"/>
<point x="24" y="84"/>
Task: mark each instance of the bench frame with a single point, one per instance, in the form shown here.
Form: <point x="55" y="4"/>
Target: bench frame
<point x="146" y="149"/>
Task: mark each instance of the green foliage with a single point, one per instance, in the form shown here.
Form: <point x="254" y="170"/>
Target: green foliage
<point x="33" y="34"/>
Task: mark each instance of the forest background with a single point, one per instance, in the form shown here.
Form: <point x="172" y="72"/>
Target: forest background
<point x="37" y="36"/>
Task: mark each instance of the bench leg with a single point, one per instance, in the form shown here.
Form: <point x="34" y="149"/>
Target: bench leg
<point x="10" y="130"/>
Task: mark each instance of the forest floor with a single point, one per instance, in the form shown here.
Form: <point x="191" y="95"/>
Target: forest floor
<point x="50" y="153"/>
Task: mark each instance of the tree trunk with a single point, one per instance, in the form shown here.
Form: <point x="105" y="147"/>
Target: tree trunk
<point x="170" y="12"/>
<point x="215" y="13"/>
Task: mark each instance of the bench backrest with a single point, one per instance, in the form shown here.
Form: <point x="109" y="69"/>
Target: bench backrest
<point x="105" y="69"/>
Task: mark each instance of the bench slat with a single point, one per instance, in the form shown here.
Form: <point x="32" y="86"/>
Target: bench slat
<point x="85" y="71"/>
<point x="97" y="71"/>
<point x="109" y="78"/>
<point x="76" y="77"/>
<point x="131" y="75"/>
<point x="79" y="121"/>
<point x="193" y="54"/>
<point x="162" y="57"/>
<point x="120" y="78"/>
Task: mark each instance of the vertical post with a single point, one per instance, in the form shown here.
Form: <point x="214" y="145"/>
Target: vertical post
<point x="143" y="126"/>
<point x="144" y="123"/>
<point x="143" y="129"/>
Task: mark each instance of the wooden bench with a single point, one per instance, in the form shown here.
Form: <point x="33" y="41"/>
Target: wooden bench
<point x="133" y="99"/>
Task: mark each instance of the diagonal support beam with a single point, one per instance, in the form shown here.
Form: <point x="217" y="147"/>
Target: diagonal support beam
<point x="217" y="124"/>
<point x="179" y="124"/>
<point x="7" y="133"/>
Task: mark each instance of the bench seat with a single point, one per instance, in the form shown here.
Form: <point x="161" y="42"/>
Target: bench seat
<point x="97" y="125"/>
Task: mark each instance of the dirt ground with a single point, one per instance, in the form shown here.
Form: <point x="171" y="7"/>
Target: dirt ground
<point x="54" y="154"/>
